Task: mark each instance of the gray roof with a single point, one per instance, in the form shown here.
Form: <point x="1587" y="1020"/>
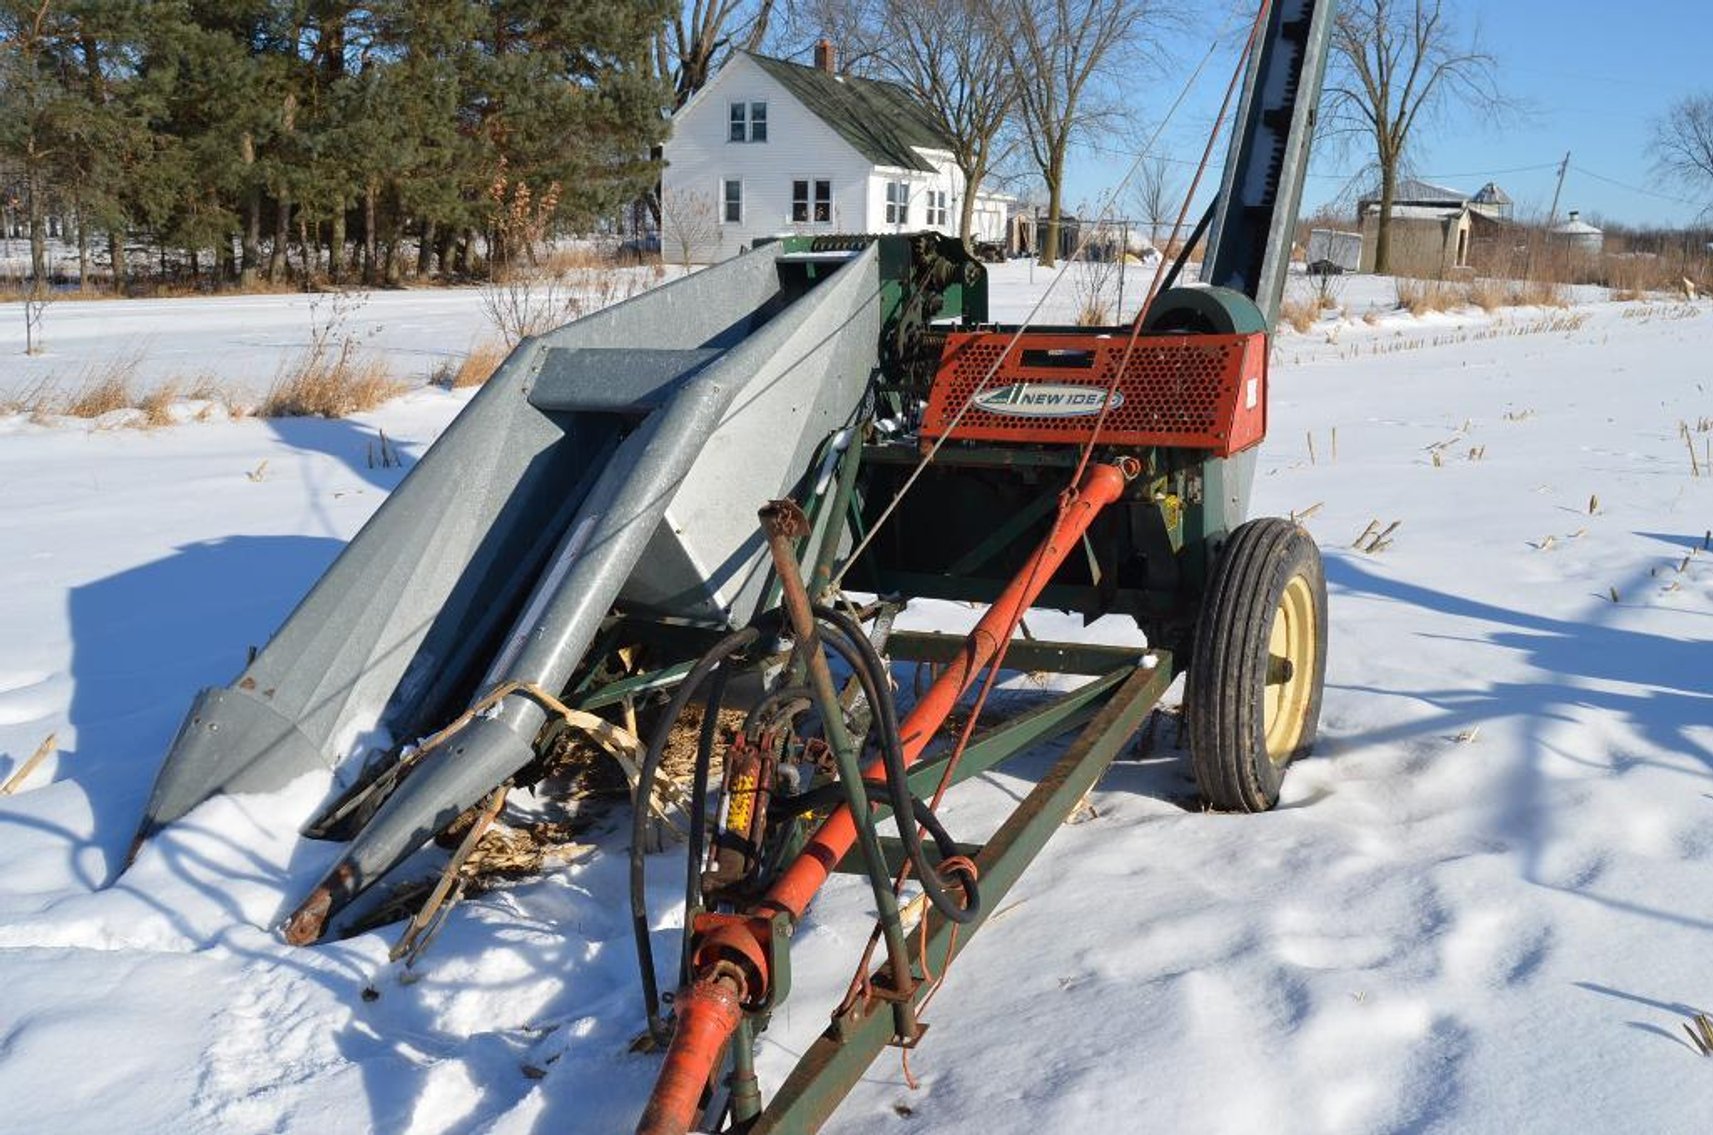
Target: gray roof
<point x="882" y="120"/>
<point x="1491" y="194"/>
<point x="1415" y="191"/>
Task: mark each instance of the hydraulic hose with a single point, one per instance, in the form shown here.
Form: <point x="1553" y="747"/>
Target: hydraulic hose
<point x="732" y="644"/>
<point x="872" y="672"/>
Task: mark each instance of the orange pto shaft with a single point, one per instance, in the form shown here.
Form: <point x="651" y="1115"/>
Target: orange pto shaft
<point x="1101" y="485"/>
<point x="707" y="1013"/>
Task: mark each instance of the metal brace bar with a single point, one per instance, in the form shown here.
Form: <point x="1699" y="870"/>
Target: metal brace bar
<point x="840" y="1056"/>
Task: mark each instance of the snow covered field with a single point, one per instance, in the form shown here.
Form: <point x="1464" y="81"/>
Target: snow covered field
<point x="243" y="342"/>
<point x="1483" y="906"/>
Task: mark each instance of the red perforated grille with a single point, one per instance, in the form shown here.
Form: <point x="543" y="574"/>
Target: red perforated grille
<point x="1194" y="391"/>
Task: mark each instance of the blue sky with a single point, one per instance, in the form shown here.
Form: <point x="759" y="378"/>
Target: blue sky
<point x="1590" y="80"/>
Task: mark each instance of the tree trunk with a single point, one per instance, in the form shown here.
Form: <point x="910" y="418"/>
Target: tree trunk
<point x="336" y="244"/>
<point x="371" y="257"/>
<point x="425" y="248"/>
<point x="82" y="250"/>
<point x="38" y="232"/>
<point x="277" y="266"/>
<point x="461" y="260"/>
<point x="116" y="253"/>
<point x="1055" y="180"/>
<point x="251" y="239"/>
<point x="225" y="262"/>
<point x="966" y="209"/>
<point x="443" y="252"/>
<point x="1383" y="229"/>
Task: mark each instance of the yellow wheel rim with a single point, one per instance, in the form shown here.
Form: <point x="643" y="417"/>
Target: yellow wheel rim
<point x="1292" y="650"/>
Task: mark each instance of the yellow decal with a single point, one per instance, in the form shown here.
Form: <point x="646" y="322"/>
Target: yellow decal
<point x="743" y="803"/>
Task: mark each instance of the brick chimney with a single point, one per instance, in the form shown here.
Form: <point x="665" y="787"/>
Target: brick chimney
<point x="824" y="56"/>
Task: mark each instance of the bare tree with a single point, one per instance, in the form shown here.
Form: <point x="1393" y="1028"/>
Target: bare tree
<point x="692" y="42"/>
<point x="36" y="302"/>
<point x="855" y="28"/>
<point x="689" y="222"/>
<point x="952" y="57"/>
<point x="1683" y="143"/>
<point x="1399" y="63"/>
<point x="1158" y="195"/>
<point x="1064" y="49"/>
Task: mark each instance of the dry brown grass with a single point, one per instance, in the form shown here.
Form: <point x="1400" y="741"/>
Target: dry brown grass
<point x="330" y="385"/>
<point x="1486" y="294"/>
<point x="1094" y="313"/>
<point x="157" y="406"/>
<point x="1538" y="293"/>
<point x="38" y="400"/>
<point x="484" y="357"/>
<point x="209" y="390"/>
<point x="559" y="260"/>
<point x="1301" y="313"/>
<point x="1420" y="297"/>
<point x="105" y="387"/>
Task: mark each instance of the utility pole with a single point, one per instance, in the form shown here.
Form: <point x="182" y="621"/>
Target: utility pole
<point x="1563" y="168"/>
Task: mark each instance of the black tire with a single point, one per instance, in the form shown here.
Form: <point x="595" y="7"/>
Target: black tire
<point x="1248" y="716"/>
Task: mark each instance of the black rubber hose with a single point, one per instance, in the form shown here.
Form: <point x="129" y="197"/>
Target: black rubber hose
<point x="699" y="806"/>
<point x="732" y="644"/>
<point x="846" y="638"/>
<point x="772" y="701"/>
<point x="871" y="672"/>
<point x="948" y="847"/>
<point x="1184" y="253"/>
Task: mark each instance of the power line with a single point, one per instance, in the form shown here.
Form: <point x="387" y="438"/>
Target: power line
<point x="1120" y="152"/>
<point x="1633" y="188"/>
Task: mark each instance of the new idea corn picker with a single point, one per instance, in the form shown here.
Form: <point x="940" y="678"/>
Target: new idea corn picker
<point x="719" y="495"/>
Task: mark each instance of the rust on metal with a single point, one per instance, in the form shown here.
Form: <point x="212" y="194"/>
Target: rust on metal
<point x="708" y="1015"/>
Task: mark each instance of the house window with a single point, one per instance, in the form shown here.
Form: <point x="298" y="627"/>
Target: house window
<point x="819" y="207"/>
<point x="733" y="198"/>
<point x="897" y="203"/>
<point x="937" y="210"/>
<point x="748" y="122"/>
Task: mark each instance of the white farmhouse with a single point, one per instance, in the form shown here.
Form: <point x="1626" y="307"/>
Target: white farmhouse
<point x="770" y="148"/>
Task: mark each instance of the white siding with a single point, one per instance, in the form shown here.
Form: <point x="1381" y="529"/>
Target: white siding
<point x="989" y="219"/>
<point x="990" y="212"/>
<point x="799" y="146"/>
<point x="946" y="178"/>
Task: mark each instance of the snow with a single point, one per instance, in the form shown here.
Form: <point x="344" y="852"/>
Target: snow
<point x="245" y="341"/>
<point x="1480" y="906"/>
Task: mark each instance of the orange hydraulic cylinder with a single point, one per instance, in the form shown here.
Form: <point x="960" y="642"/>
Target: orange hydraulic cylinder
<point x="706" y="1017"/>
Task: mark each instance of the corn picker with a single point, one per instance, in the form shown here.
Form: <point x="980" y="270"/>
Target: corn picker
<point x="720" y="494"/>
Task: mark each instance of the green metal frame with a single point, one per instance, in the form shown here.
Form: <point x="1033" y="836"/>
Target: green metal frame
<point x="993" y="747"/>
<point x="840" y="1056"/>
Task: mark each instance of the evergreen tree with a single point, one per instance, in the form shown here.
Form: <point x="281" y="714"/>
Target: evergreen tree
<point x="224" y="123"/>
